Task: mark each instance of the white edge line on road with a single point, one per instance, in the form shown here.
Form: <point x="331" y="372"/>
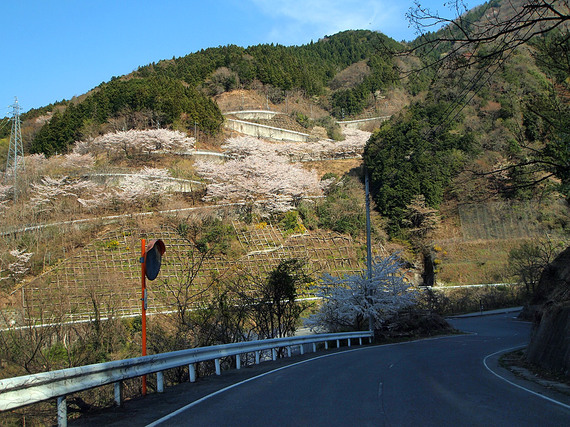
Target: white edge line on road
<point x="516" y="385"/>
<point x="196" y="402"/>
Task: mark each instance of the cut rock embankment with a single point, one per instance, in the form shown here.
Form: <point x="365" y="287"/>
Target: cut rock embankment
<point x="549" y="347"/>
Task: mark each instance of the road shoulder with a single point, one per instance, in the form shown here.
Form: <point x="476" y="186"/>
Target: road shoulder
<point x="556" y="392"/>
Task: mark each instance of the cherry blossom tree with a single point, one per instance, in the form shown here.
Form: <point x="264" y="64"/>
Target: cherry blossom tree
<point x="76" y="161"/>
<point x="48" y="190"/>
<point x="5" y="194"/>
<point x="348" y="302"/>
<point x="20" y="266"/>
<point x="259" y="177"/>
<point x="133" y="142"/>
<point x="352" y="146"/>
<point x="147" y="185"/>
<point x="261" y="171"/>
<point x="45" y="193"/>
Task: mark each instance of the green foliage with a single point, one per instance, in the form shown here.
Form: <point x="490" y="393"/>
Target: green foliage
<point x="309" y="67"/>
<point x="291" y="222"/>
<point x="342" y="210"/>
<point x="406" y="158"/>
<point x="167" y="99"/>
<point x="171" y="92"/>
<point x="112" y="244"/>
<point x="419" y="82"/>
<point x="302" y="119"/>
<point x="545" y="122"/>
<point x="278" y="311"/>
<point x="330" y="175"/>
<point x="210" y="235"/>
<point x="4" y="146"/>
<point x="553" y="54"/>
<point x="308" y="214"/>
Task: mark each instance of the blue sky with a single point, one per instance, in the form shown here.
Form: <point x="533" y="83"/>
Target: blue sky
<point x="55" y="49"/>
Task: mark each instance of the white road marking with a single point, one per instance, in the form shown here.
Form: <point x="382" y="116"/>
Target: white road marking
<point x="196" y="402"/>
<point x="516" y="385"/>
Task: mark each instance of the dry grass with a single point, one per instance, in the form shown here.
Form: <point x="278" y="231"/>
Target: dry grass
<point x="242" y="99"/>
<point x="338" y="167"/>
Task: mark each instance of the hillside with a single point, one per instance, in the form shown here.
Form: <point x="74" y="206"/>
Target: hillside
<point x="178" y="93"/>
<point x="470" y="165"/>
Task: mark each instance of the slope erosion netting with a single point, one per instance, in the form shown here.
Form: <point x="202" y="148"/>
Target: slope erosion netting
<point x="104" y="277"/>
<point x="502" y="220"/>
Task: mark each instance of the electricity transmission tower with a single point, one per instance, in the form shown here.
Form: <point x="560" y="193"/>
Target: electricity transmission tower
<point x="15" y="160"/>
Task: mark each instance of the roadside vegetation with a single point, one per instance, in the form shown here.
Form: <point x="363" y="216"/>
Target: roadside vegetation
<point x="469" y="180"/>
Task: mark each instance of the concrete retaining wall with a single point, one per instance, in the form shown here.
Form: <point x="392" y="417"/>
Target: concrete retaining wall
<point x="263" y="131"/>
<point x="357" y="124"/>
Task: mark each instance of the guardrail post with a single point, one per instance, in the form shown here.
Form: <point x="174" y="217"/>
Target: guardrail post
<point x="314" y="347"/>
<point x="337" y="343"/>
<point x="289" y="351"/>
<point x="61" y="412"/>
<point x="115" y="373"/>
<point x="118" y="386"/>
<point x="369" y="340"/>
<point x="360" y="341"/>
<point x="160" y="382"/>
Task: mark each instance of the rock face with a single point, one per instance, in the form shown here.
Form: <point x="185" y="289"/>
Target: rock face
<point x="554" y="284"/>
<point x="549" y="347"/>
<point x="550" y="344"/>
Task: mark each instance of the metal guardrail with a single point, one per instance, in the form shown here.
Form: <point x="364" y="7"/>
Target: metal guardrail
<point x="26" y="390"/>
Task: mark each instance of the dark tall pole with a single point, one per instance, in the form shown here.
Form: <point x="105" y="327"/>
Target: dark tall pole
<point x="368" y="240"/>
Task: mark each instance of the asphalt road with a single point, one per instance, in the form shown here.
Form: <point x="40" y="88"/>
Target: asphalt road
<point x="447" y="381"/>
<point x="435" y="382"/>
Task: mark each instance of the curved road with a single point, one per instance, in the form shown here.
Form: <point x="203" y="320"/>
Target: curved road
<point x="433" y="382"/>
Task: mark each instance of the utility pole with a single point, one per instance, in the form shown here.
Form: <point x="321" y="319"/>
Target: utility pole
<point x="368" y="240"/>
<point x="15" y="160"/>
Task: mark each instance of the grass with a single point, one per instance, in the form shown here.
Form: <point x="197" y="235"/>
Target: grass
<point x="475" y="262"/>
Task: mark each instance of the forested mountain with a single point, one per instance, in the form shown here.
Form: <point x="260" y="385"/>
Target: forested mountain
<point x="491" y="123"/>
<point x="178" y="91"/>
<point x="483" y="123"/>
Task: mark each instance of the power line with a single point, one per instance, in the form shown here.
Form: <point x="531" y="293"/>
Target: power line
<point x="4" y="123"/>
